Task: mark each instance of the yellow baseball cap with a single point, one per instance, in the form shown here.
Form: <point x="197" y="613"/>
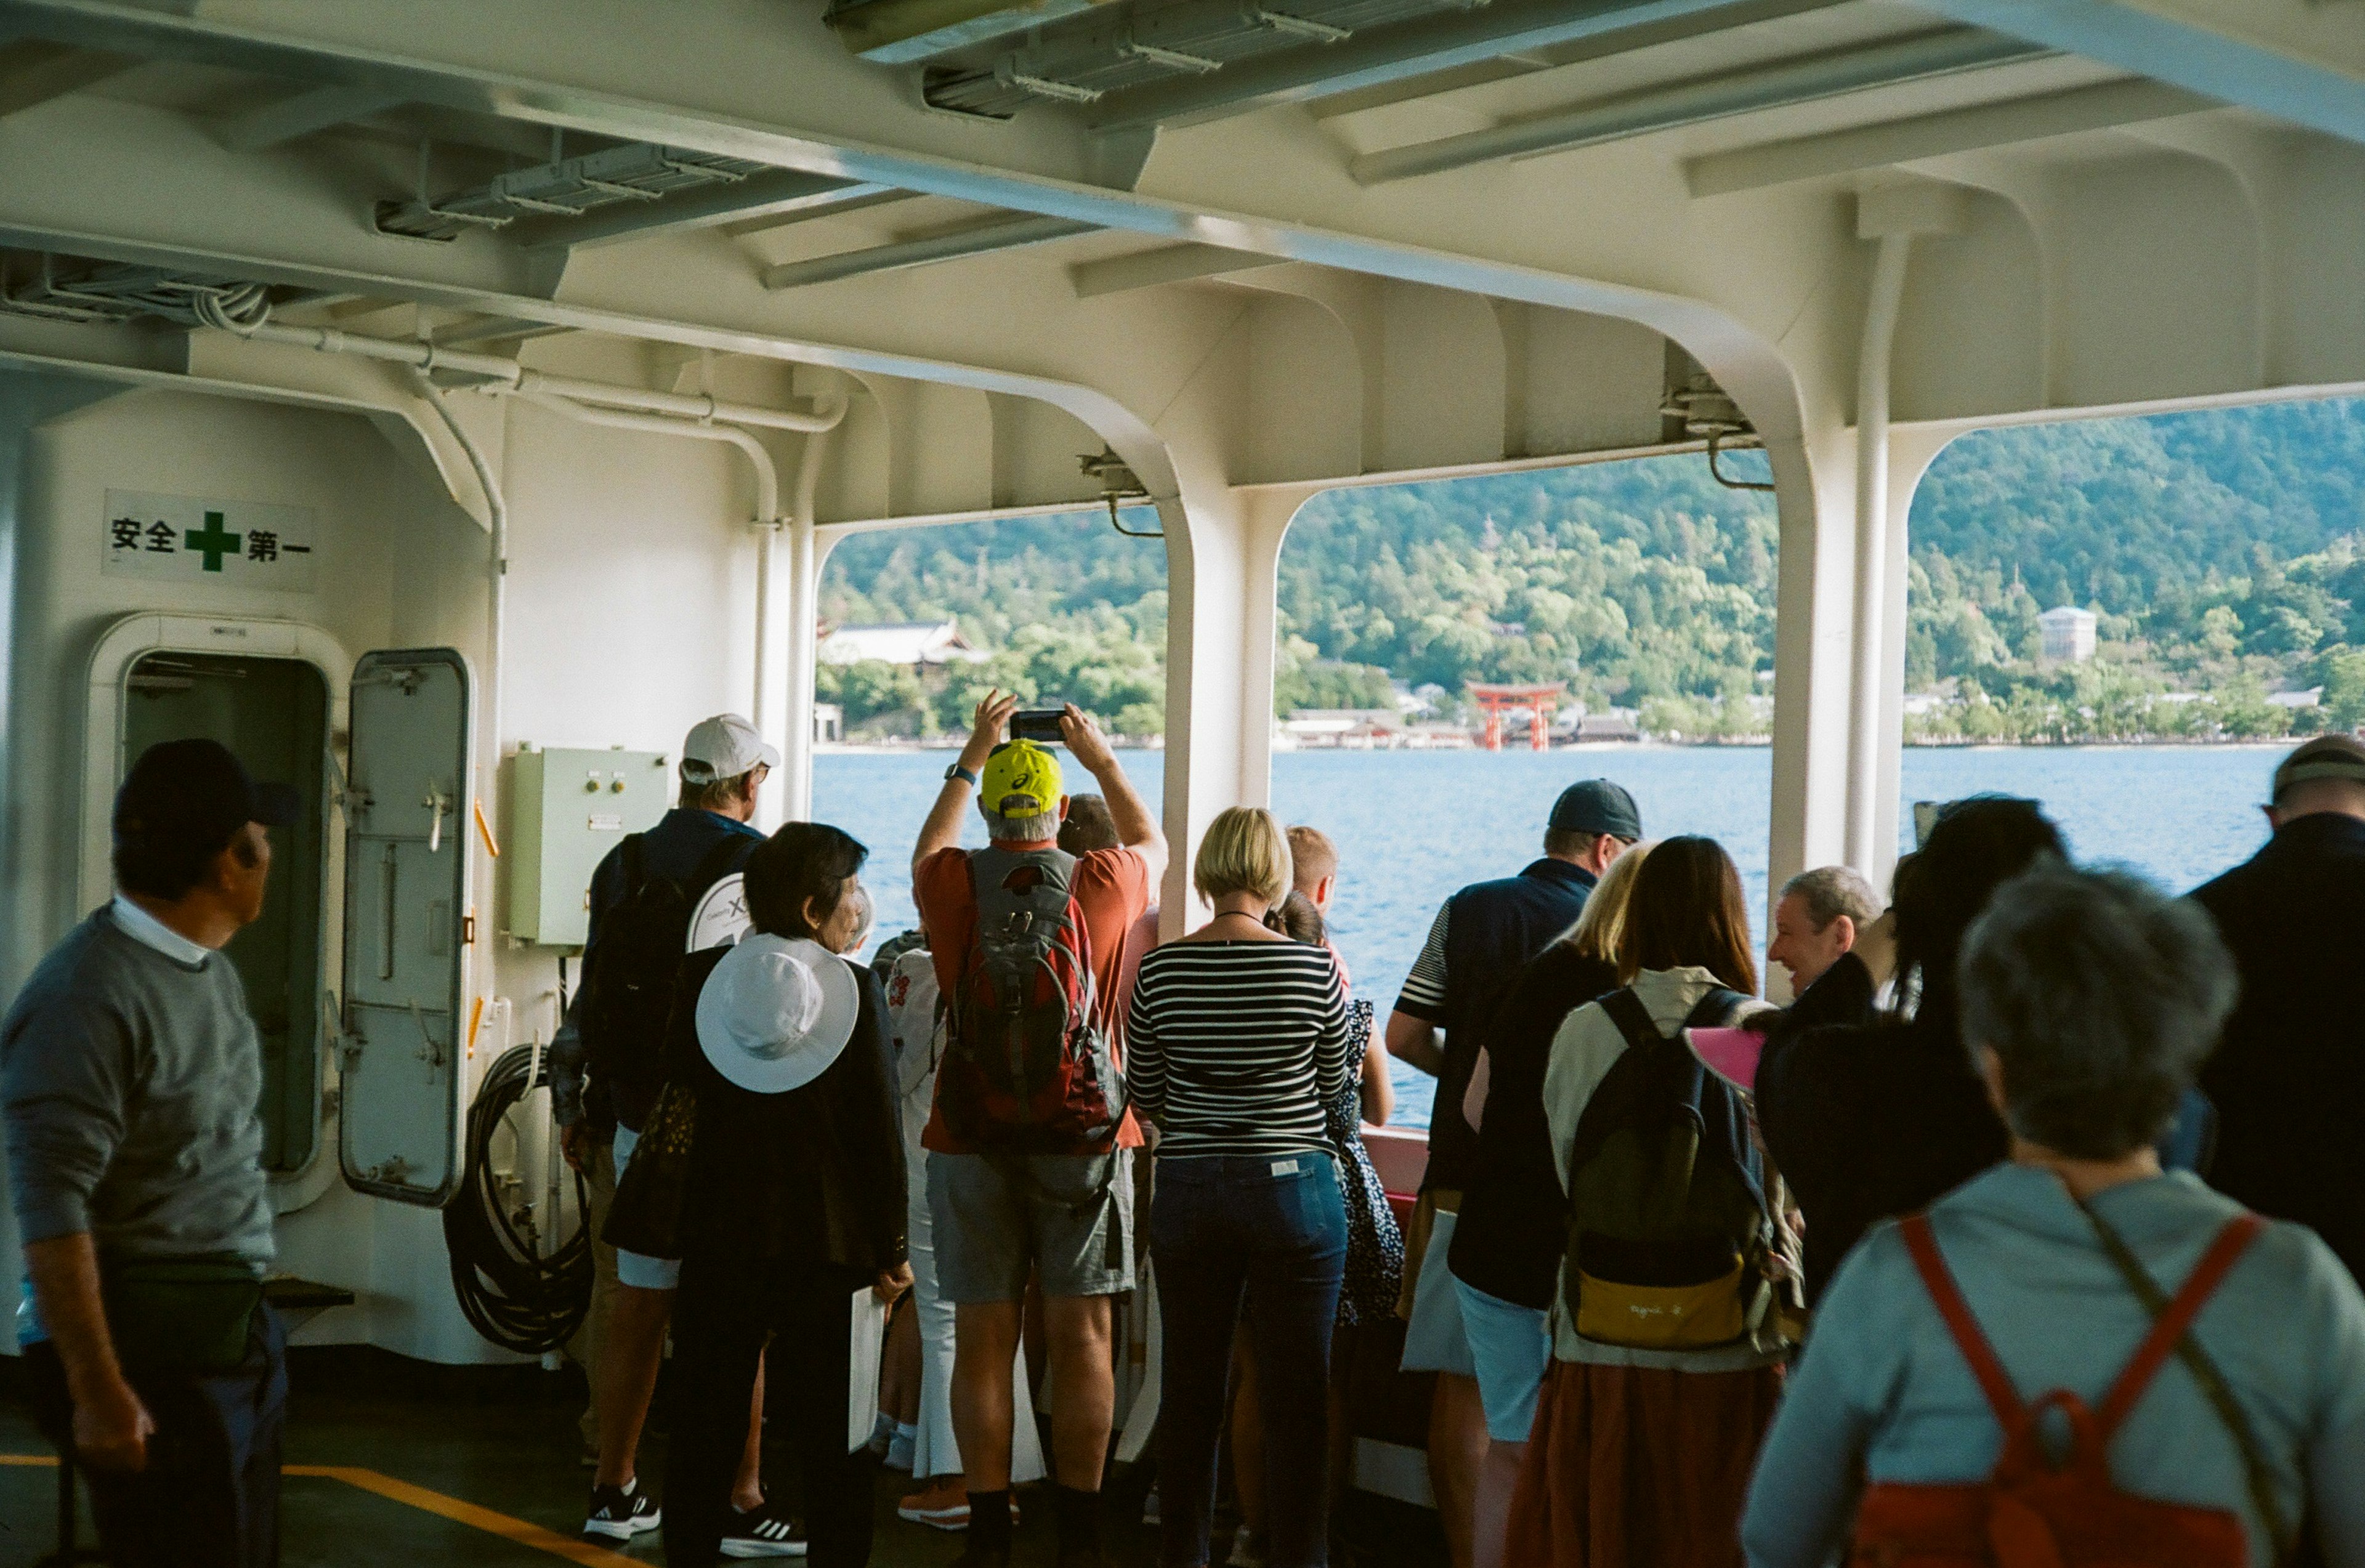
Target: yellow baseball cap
<point x="1023" y="773"/>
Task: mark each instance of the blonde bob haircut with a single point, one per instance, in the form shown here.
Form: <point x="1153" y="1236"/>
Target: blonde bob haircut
<point x="1245" y="852"/>
<point x="1603" y="921"/>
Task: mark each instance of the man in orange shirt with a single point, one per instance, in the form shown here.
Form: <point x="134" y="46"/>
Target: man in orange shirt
<point x="1026" y="1166"/>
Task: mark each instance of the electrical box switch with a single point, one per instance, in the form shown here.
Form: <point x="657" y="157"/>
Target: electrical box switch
<point x="571" y="808"/>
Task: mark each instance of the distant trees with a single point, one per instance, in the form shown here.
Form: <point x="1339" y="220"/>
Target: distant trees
<point x="2220" y="551"/>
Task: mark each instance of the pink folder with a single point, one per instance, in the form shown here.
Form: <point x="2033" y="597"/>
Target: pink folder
<point x="1730" y="1054"/>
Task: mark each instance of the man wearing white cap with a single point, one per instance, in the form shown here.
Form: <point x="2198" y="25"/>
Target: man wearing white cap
<point x="641" y="896"/>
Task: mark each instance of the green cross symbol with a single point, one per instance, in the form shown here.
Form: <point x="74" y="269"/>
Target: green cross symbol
<point x="212" y="543"/>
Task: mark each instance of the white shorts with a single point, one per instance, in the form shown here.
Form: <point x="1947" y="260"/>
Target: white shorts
<point x="1434" y="1340"/>
<point x="635" y="1269"/>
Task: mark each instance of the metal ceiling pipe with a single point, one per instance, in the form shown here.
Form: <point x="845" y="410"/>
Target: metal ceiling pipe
<point x="516" y="378"/>
<point x="1001" y="234"/>
<point x="1678" y="104"/>
<point x="759" y="195"/>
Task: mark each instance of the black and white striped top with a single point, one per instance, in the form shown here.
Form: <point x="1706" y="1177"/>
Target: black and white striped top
<point x="1232" y="1047"/>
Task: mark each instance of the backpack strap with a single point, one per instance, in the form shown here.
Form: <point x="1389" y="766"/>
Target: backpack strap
<point x="1994" y="1381"/>
<point x="1713" y="1009"/>
<point x="1633" y="1020"/>
<point x="2255" y="1472"/>
<point x="2168" y="1328"/>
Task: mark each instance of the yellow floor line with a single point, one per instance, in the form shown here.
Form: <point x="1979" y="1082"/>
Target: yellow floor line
<point x="419" y="1497"/>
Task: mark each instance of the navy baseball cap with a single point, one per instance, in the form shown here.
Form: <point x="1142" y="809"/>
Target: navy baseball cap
<point x="1596" y="805"/>
<point x="194" y="790"/>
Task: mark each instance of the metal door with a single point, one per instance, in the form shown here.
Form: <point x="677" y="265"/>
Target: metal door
<point x="402" y="1045"/>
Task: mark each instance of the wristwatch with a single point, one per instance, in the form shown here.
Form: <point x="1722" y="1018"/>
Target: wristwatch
<point x="963" y="774"/>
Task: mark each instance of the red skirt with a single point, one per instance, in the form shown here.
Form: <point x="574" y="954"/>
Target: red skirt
<point x="1638" y="1467"/>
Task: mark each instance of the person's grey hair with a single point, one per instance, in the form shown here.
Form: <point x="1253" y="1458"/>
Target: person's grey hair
<point x="1020" y="830"/>
<point x="2101" y="995"/>
<point x="1831" y="892"/>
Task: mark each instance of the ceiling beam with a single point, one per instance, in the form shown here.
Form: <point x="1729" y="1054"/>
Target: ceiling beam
<point x="1168" y="263"/>
<point x="978" y="240"/>
<point x="1386" y="55"/>
<point x="851" y="201"/>
<point x="1596" y="46"/>
<point x="773" y="194"/>
<point x="494" y="330"/>
<point x="34" y="72"/>
<point x="1667" y="107"/>
<point x="2299" y="61"/>
<point x="1892" y="142"/>
<point x="288" y="119"/>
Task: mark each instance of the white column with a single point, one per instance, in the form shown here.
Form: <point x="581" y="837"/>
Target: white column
<point x="1812" y="642"/>
<point x="1222" y="549"/>
<point x="1911" y="452"/>
<point x="806" y="548"/>
<point x="1872" y="585"/>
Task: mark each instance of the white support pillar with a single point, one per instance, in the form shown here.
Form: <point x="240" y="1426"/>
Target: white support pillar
<point x="1911" y="452"/>
<point x="1882" y="302"/>
<point x="806" y="548"/>
<point x="1814" y="487"/>
<point x="1223" y="546"/>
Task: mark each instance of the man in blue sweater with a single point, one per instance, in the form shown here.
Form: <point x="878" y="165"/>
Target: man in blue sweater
<point x="131" y="1075"/>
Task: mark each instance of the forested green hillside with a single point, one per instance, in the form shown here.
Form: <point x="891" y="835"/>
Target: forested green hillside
<point x="2220" y="550"/>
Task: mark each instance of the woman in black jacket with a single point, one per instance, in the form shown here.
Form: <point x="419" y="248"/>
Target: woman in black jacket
<point x="795" y="1194"/>
<point x="1870" y="1119"/>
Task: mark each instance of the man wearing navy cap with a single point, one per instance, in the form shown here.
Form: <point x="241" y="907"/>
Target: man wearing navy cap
<point x="1481" y="939"/>
<point x="130" y="1077"/>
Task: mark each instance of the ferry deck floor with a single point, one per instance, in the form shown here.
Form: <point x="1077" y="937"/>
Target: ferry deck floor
<point x="393" y="1465"/>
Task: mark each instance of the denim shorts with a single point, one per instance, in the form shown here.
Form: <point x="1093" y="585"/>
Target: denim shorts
<point x="633" y="1268"/>
<point x="1066" y="1218"/>
<point x="1511" y="1347"/>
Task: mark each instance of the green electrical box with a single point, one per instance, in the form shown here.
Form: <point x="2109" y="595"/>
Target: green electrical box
<point x="570" y="809"/>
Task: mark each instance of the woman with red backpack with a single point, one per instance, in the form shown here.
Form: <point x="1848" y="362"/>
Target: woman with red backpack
<point x="2074" y="1358"/>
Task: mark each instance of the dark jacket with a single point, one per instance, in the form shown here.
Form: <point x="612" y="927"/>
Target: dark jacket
<point x="1868" y="1119"/>
<point x="2289" y="1078"/>
<point x="1513" y="1222"/>
<point x="813" y="1175"/>
<point x="1492" y="929"/>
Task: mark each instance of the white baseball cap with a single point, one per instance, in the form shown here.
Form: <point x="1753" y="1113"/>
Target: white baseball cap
<point x="723" y="747"/>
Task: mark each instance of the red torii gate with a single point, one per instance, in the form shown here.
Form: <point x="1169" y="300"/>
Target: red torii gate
<point x="1540" y="700"/>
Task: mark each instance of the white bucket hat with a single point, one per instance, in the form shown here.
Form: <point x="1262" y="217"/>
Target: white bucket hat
<point x="776" y="1012"/>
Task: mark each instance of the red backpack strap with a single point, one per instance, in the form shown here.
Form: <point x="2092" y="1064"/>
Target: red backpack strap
<point x="2170" y="1326"/>
<point x="1994" y="1381"/>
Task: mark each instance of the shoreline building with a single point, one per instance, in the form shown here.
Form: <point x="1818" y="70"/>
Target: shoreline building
<point x="2069" y="635"/>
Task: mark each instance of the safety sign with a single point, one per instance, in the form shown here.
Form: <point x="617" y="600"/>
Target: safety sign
<point x="242" y="545"/>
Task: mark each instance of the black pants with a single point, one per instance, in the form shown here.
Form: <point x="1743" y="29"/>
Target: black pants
<point x="209" y="1496"/>
<point x="724" y="1310"/>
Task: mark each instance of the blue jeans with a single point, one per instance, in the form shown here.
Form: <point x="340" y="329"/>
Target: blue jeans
<point x="1269" y="1234"/>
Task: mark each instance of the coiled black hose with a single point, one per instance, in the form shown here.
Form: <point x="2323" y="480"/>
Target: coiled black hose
<point x="518" y="1298"/>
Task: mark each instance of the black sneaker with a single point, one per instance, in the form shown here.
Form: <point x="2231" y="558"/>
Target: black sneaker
<point x="620" y="1513"/>
<point x="762" y="1531"/>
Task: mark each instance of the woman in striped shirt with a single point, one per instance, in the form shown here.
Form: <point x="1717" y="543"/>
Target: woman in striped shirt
<point x="1237" y="1035"/>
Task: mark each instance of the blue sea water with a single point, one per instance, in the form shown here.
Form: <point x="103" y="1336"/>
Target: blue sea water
<point x="1413" y="826"/>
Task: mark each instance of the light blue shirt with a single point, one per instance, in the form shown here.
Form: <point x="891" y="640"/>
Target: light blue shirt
<point x="1882" y="1382"/>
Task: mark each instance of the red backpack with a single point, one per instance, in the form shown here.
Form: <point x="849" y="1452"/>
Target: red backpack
<point x="1028" y="1069"/>
<point x="2028" y="1513"/>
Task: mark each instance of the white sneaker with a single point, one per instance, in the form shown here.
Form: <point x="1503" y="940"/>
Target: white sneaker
<point x="620" y="1513"/>
<point x="1246" y="1553"/>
